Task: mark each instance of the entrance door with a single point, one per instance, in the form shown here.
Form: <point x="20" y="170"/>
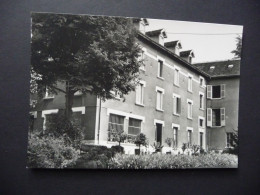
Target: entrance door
<point x="201" y="139"/>
<point x="158" y="133"/>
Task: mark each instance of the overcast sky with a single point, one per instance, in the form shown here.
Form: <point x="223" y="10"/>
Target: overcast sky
<point x="210" y="42"/>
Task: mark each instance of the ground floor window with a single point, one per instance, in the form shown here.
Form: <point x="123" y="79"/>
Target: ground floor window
<point x="230" y="140"/>
<point x="175" y="137"/>
<point x="216" y="120"/>
<point x="134" y="128"/>
<point x="189" y="137"/>
<point x="116" y="124"/>
<point x="201" y="139"/>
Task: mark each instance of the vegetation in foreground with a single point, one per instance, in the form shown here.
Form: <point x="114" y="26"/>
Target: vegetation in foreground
<point x="164" y="161"/>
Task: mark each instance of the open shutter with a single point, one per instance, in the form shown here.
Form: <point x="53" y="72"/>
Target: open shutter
<point x="179" y="105"/>
<point x="223" y="91"/>
<point x="137" y="91"/>
<point x="223" y="117"/>
<point x="209" y="117"/>
<point x="209" y="91"/>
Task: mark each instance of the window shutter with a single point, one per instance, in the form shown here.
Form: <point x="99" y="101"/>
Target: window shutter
<point x="179" y="105"/>
<point x="209" y="117"/>
<point x="138" y="94"/>
<point x="223" y="117"/>
<point x="209" y="91"/>
<point x="223" y="91"/>
<point x="175" y="105"/>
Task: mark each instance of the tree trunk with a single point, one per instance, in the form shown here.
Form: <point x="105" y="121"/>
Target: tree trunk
<point x="68" y="102"/>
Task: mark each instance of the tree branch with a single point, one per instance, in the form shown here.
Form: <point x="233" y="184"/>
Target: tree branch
<point x="58" y="89"/>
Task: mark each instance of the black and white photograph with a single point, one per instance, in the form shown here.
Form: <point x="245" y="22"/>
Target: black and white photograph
<point x="110" y="92"/>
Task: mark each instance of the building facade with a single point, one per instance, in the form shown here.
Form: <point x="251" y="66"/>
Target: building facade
<point x="174" y="99"/>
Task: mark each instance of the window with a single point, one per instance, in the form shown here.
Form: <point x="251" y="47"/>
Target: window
<point x="176" y="104"/>
<point x="202" y="82"/>
<point x="116" y="94"/>
<point x="159" y="100"/>
<point x="115" y="125"/>
<point x="189" y="137"/>
<point x="160" y="68"/>
<point x="216" y="117"/>
<point x="190" y="83"/>
<point x="161" y="40"/>
<point x="141" y="59"/>
<point x="201" y="100"/>
<point x="48" y="94"/>
<point x="215" y="91"/>
<point x="140" y="93"/>
<point x="134" y="127"/>
<point x="230" y="140"/>
<point x="189" y="109"/>
<point x="201" y="139"/>
<point x="190" y="59"/>
<point x="176" y="77"/>
<point x="201" y="122"/>
<point x="175" y="137"/>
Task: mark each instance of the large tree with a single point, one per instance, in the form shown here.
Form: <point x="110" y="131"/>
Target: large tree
<point x="84" y="52"/>
<point x="238" y="50"/>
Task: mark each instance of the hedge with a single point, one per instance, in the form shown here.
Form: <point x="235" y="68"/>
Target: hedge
<point x="162" y="161"/>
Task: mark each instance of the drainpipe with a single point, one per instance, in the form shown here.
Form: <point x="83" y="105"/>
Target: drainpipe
<point x="99" y="116"/>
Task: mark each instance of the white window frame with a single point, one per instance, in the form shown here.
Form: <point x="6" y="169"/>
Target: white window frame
<point x="175" y="96"/>
<point x="203" y="101"/>
<point x="203" y="82"/>
<point x="190" y="82"/>
<point x="141" y="87"/>
<point x="189" y="102"/>
<point x="191" y="137"/>
<point x="222" y="117"/>
<point x="158" y="121"/>
<point x="176" y="76"/>
<point x="47" y="94"/>
<point x="160" y="59"/>
<point x="161" y="90"/>
<point x="177" y="126"/>
<point x="203" y="124"/>
<point x="46" y="112"/>
<point x="210" y="91"/>
<point x="142" y="57"/>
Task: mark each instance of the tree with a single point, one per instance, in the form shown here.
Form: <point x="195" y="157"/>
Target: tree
<point x="120" y="136"/>
<point x="237" y="51"/>
<point x="78" y="52"/>
<point x="140" y="140"/>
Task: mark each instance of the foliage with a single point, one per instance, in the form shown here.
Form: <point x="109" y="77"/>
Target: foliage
<point x="238" y="50"/>
<point x="184" y="147"/>
<point x="157" y="146"/>
<point x="163" y="161"/>
<point x="94" y="156"/>
<point x="234" y="144"/>
<point x="140" y="140"/>
<point x="195" y="148"/>
<point x="119" y="136"/>
<point x="59" y="125"/>
<point x="33" y="81"/>
<point x="168" y="141"/>
<point x="50" y="152"/>
<point x="117" y="149"/>
<point x="84" y="52"/>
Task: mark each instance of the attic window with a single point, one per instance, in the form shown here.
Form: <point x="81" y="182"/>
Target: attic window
<point x="212" y="67"/>
<point x="230" y="66"/>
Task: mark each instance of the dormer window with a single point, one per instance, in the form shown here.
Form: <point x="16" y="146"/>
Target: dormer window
<point x="161" y="39"/>
<point x="230" y="66"/>
<point x="212" y="67"/>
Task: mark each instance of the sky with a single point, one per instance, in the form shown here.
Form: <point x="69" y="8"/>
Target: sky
<point x="209" y="41"/>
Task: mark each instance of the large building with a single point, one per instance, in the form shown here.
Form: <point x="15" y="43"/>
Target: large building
<point x="189" y="103"/>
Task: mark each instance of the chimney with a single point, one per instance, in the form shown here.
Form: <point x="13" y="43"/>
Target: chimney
<point x="140" y="24"/>
<point x="157" y="35"/>
<point x="173" y="46"/>
<point x="187" y="55"/>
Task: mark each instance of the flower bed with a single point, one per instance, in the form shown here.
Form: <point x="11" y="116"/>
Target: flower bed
<point x="162" y="161"/>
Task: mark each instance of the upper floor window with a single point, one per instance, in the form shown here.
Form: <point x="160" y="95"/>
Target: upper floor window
<point x="189" y="131"/>
<point x="202" y="81"/>
<point x="190" y="83"/>
<point x="216" y="91"/>
<point x="201" y="100"/>
<point x="216" y="117"/>
<point x="48" y="94"/>
<point x="201" y="122"/>
<point x="141" y="59"/>
<point x="159" y="98"/>
<point x="176" y="76"/>
<point x="160" y="68"/>
<point x="176" y="104"/>
<point x="189" y="108"/>
<point x="140" y="93"/>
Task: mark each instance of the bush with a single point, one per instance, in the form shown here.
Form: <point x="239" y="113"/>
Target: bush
<point x="162" y="161"/>
<point x="50" y="152"/>
<point x="117" y="149"/>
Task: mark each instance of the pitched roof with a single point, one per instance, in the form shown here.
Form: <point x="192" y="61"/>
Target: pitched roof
<point x="172" y="44"/>
<point x="156" y="33"/>
<point x="220" y="68"/>
<point x="171" y="54"/>
<point x="186" y="53"/>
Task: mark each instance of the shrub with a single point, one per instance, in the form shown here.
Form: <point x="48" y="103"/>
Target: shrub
<point x="168" y="141"/>
<point x="117" y="149"/>
<point x="50" y="152"/>
<point x="162" y="161"/>
<point x="140" y="140"/>
<point x="157" y="146"/>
